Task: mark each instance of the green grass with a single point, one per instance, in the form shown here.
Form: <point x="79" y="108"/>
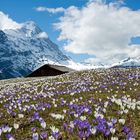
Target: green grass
<point x="91" y="90"/>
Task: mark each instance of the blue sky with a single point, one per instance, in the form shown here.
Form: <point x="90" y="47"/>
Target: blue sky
<point x="23" y="10"/>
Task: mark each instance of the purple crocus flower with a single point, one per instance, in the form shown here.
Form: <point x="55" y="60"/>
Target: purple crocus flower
<point x="36" y="115"/>
<point x="126" y="129"/>
<point x="84" y="134"/>
<point x="33" y="129"/>
<point x="107" y="132"/>
<point x="84" y="124"/>
<point x="56" y="135"/>
<point x="35" y="136"/>
<point x="81" y="134"/>
<point x="13" y="114"/>
<point x="65" y="125"/>
<point x="87" y="133"/>
<point x="130" y="135"/>
<point x="43" y="135"/>
<point x="70" y="130"/>
<point x="9" y="137"/>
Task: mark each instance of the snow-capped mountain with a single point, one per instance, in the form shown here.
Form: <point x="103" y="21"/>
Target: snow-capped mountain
<point x="126" y="63"/>
<point x="24" y="49"/>
<point x="129" y="62"/>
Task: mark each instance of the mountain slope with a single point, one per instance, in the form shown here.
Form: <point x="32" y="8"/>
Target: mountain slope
<point x="129" y="62"/>
<point x="25" y="49"/>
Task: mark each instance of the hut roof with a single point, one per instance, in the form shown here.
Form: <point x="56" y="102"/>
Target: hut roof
<point x="50" y="70"/>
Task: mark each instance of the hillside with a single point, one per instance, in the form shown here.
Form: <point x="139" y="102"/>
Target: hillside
<point x="128" y="63"/>
<point x="25" y="49"/>
<point x="101" y="104"/>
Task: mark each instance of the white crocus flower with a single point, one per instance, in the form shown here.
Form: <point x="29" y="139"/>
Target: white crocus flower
<point x="105" y="104"/>
<point x="75" y="115"/>
<point x="64" y="110"/>
<point x="20" y="116"/>
<point x="57" y="116"/>
<point x="43" y="124"/>
<point x="51" y="138"/>
<point x="11" y="138"/>
<point x="71" y="124"/>
<point x="54" y="129"/>
<point x="43" y="108"/>
<point x="104" y="110"/>
<point x="133" y="106"/>
<point x="126" y="111"/>
<point x="64" y="101"/>
<point x="16" y="126"/>
<point x="71" y="103"/>
<point x="71" y="94"/>
<point x="118" y="101"/>
<point x="6" y="129"/>
<point x="122" y="121"/>
<point x="83" y="118"/>
<point x="90" y="101"/>
<point x="10" y="128"/>
<point x="112" y="130"/>
<point x="114" y="138"/>
<point x="76" y="100"/>
<point x="86" y="109"/>
<point x="98" y="115"/>
<point x="138" y="107"/>
<point x="93" y="130"/>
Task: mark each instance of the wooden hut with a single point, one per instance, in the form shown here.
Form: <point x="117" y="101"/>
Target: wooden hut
<point x="50" y="70"/>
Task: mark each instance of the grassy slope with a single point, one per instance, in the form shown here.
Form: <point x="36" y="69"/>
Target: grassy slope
<point x="88" y="100"/>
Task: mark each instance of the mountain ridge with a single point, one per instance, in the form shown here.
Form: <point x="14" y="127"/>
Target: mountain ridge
<point x="22" y="50"/>
<point x="128" y="62"/>
<point x="27" y="48"/>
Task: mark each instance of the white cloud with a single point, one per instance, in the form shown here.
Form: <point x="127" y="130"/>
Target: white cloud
<point x="7" y="23"/>
<point x="50" y="10"/>
<point x="41" y="9"/>
<point x="100" y="29"/>
<point x="42" y="35"/>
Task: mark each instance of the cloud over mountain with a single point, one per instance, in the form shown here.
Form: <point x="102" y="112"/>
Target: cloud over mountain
<point x="7" y="23"/>
<point x="104" y="30"/>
